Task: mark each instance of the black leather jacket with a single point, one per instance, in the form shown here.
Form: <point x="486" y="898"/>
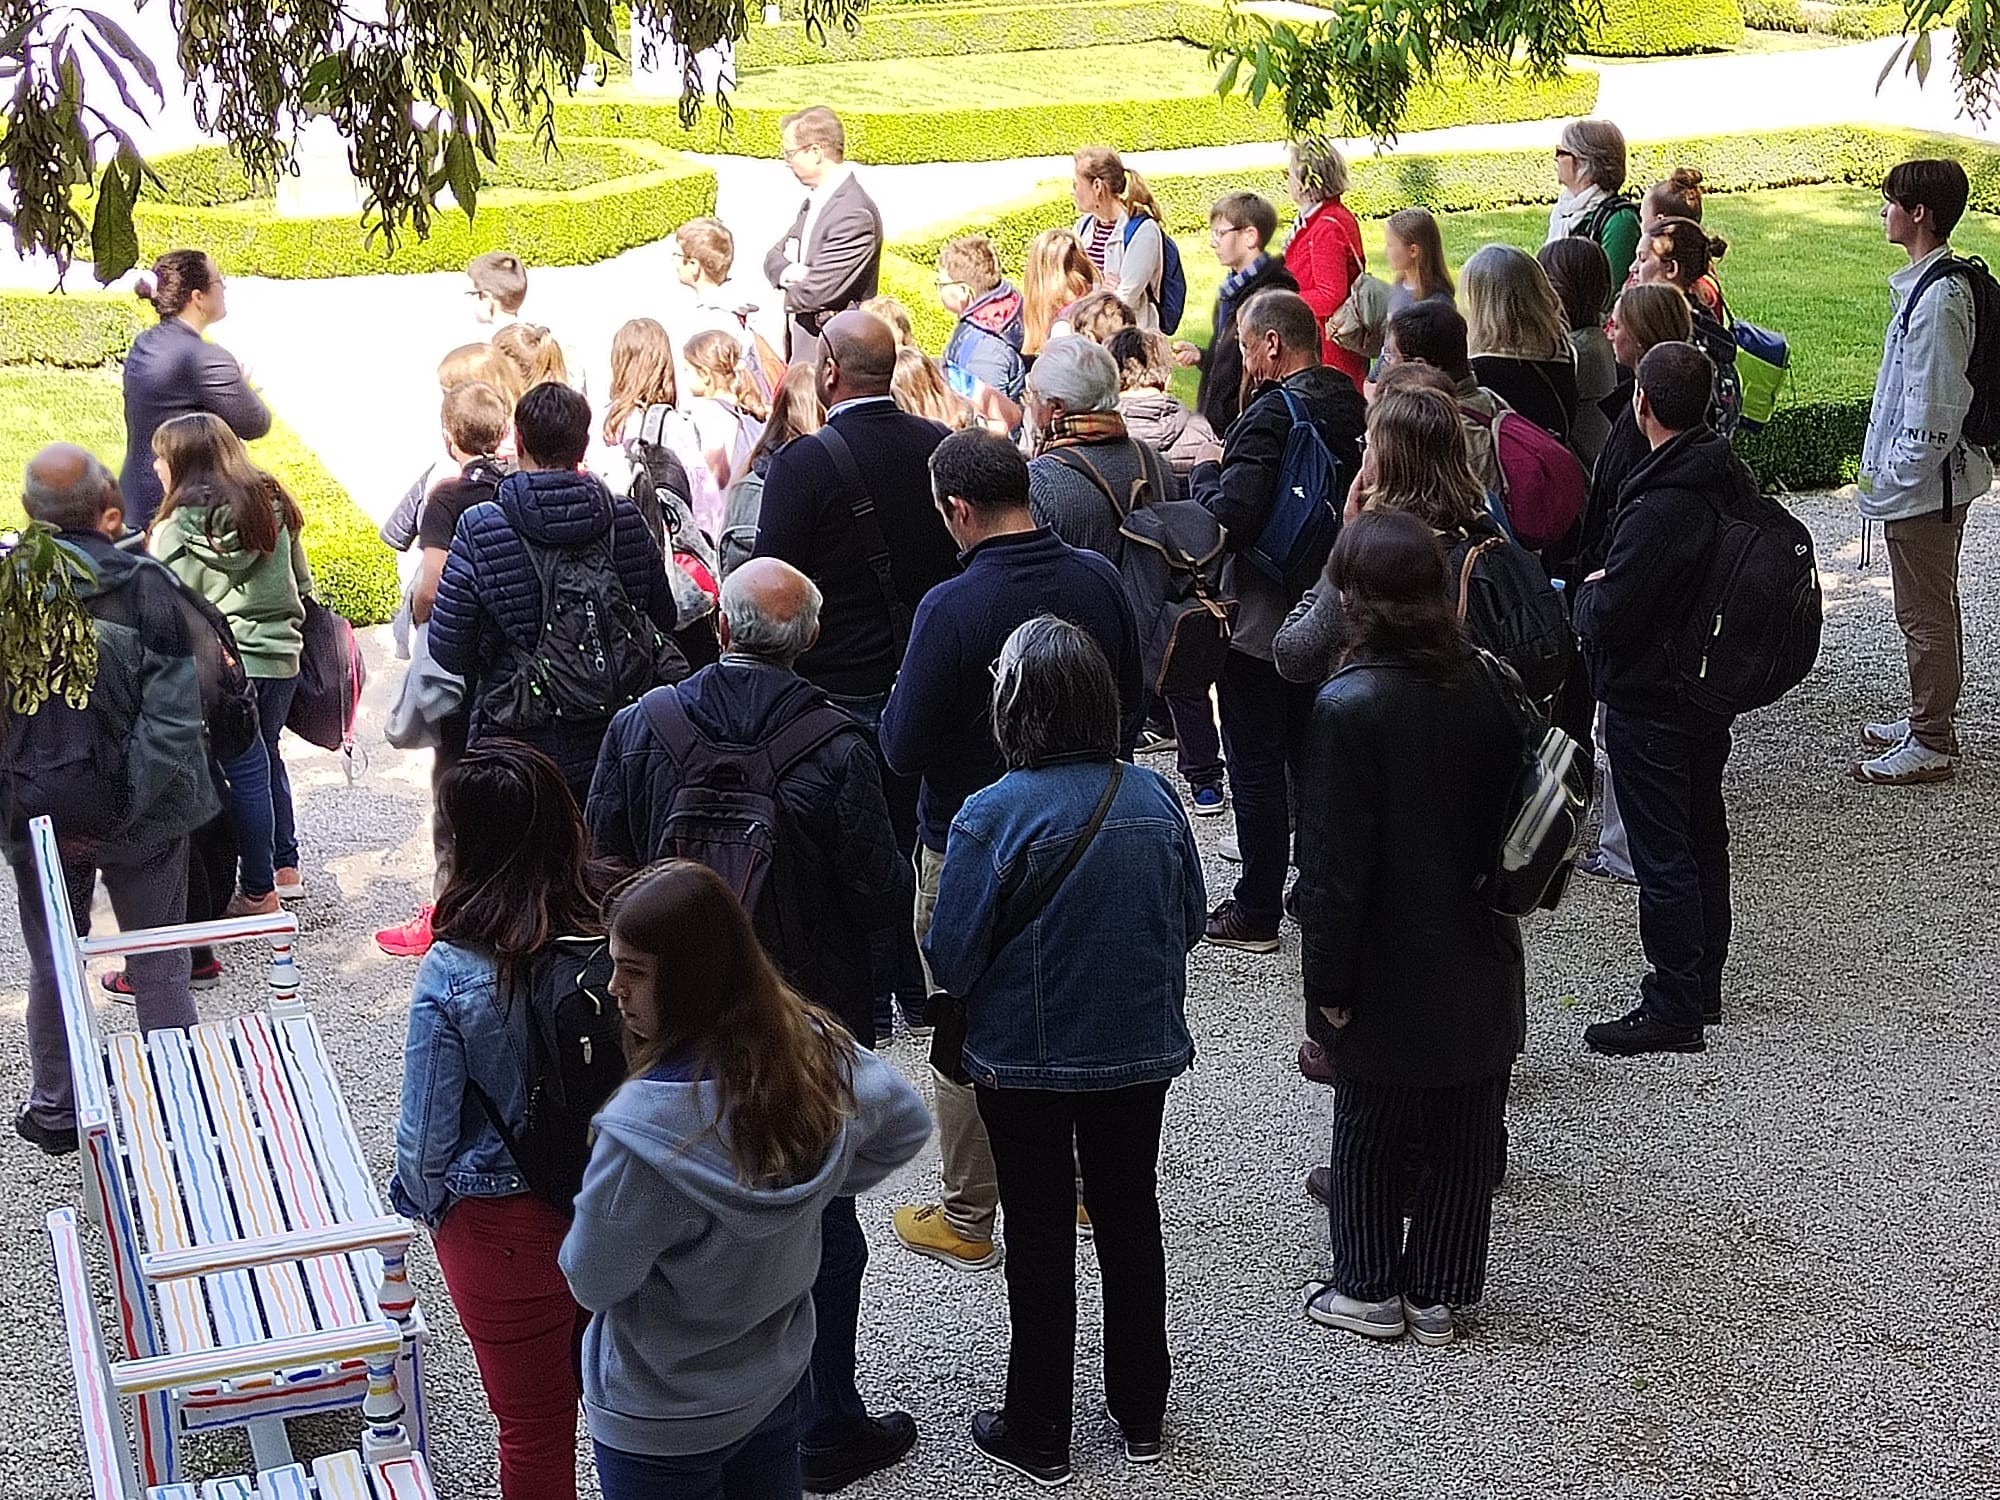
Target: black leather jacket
<point x="1403" y="789"/>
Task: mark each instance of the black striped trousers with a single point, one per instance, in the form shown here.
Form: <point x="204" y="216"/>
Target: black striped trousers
<point x="1453" y="1139"/>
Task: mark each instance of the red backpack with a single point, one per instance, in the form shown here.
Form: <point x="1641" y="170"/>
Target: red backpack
<point x="1542" y="486"/>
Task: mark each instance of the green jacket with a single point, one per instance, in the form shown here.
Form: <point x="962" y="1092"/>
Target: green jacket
<point x="261" y="596"/>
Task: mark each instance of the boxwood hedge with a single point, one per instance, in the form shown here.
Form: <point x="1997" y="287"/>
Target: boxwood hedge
<point x="1811" y="443"/>
<point x="593" y="200"/>
<point x="1031" y="128"/>
<point x="1661" y="28"/>
<point x="961" y="28"/>
<point x="1854" y="22"/>
<point x="78" y="331"/>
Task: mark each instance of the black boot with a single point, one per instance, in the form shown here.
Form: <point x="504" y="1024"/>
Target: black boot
<point x="1636" y="1032"/>
<point x="876" y="1444"/>
<point x="1047" y="1467"/>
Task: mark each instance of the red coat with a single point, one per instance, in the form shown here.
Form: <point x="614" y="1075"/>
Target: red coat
<point x="1323" y="254"/>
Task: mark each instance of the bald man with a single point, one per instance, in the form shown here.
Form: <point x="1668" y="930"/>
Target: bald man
<point x="124" y="779"/>
<point x="835" y="901"/>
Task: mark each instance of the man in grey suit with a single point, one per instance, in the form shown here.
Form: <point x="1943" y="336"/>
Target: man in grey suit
<point x="830" y="258"/>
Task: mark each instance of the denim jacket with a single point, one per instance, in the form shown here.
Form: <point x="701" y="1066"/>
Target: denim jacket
<point x="1093" y="994"/>
<point x="446" y="1147"/>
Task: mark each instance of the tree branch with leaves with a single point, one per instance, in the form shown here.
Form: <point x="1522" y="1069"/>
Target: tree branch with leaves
<point x="418" y="89"/>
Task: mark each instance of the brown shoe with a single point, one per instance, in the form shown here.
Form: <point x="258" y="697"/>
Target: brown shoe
<point x="1314" y="1064"/>
<point x="241" y="905"/>
<point x="1319" y="1184"/>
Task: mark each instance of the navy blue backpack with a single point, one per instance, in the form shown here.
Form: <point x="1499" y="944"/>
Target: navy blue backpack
<point x="1173" y="280"/>
<point x="1305" y="513"/>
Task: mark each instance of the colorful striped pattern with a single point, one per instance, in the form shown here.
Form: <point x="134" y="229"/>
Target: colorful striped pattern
<point x="103" y="1432"/>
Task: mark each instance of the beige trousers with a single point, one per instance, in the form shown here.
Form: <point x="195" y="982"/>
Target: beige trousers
<point x="971" y="1188"/>
<point x="1923" y="568"/>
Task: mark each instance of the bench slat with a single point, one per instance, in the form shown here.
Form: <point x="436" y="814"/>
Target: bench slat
<point x="295" y="1171"/>
<point x="204" y="1200"/>
<point x="343" y="1172"/>
<point x="341" y="1477"/>
<point x="235" y="1487"/>
<point x="182" y="1313"/>
<point x="173" y="1492"/>
<point x="288" y="1483"/>
<point x="287" y="1311"/>
<point x="402" y="1479"/>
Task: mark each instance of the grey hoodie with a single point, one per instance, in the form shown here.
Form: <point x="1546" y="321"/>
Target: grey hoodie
<point x="701" y="1286"/>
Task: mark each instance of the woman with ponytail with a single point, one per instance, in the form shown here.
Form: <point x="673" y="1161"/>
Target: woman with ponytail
<point x="1120" y="231"/>
<point x="173" y="370"/>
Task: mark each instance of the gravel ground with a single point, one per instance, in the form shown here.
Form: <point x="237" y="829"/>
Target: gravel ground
<point x="1765" y="1270"/>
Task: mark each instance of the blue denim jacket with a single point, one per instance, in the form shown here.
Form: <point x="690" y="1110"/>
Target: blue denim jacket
<point x="446" y="1148"/>
<point x="1093" y="994"/>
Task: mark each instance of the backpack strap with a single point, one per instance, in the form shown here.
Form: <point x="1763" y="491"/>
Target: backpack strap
<point x="1472" y="556"/>
<point x="1088" y="470"/>
<point x="805" y="733"/>
<point x="1943" y="266"/>
<point x="861" y="505"/>
<point x="687" y="747"/>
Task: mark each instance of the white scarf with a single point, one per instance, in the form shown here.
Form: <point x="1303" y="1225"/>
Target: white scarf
<point x="1571" y="207"/>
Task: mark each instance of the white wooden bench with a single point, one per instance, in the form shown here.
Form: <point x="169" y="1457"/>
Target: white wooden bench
<point x="386" y="1468"/>
<point x="239" y="1213"/>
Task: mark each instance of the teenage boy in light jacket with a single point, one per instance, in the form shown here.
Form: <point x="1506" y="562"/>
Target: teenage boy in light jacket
<point x="1918" y="473"/>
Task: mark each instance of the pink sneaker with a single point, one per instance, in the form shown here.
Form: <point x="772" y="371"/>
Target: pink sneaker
<point x="411" y="940"/>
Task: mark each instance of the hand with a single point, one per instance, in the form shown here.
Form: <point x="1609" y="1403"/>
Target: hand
<point x="795" y="272"/>
<point x="1336" y="1015"/>
<point x="1210" y="452"/>
<point x="1186" y="355"/>
<point x="1357" y="499"/>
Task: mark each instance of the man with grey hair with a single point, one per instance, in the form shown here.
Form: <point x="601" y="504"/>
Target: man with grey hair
<point x="751" y="769"/>
<point x="124" y="779"/>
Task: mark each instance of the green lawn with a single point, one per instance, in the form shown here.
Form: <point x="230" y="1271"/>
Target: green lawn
<point x="1810" y="262"/>
<point x="39" y="405"/>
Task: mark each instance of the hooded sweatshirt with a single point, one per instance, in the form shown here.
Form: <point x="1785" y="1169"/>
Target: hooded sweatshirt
<point x="985" y="343"/>
<point x="261" y="595"/>
<point x="701" y="1286"/>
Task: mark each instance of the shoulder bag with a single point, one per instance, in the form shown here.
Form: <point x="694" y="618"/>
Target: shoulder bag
<point x="949" y="1016"/>
<point x="869" y="525"/>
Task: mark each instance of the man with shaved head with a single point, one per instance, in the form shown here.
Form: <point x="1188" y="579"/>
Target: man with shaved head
<point x="124" y="779"/>
<point x="835" y="902"/>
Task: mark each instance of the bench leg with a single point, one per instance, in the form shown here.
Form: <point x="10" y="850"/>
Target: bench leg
<point x="270" y="1444"/>
<point x="383" y="1436"/>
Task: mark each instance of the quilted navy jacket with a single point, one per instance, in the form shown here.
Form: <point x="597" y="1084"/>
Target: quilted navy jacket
<point x="488" y="596"/>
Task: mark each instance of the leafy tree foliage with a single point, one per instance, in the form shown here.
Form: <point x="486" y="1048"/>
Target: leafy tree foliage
<point x="418" y="88"/>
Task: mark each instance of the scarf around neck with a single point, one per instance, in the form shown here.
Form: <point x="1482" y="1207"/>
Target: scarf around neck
<point x="1076" y="429"/>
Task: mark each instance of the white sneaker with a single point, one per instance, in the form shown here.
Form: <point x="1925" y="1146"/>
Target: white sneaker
<point x="1229" y="849"/>
<point x="1885" y="736"/>
<point x="1909" y="764"/>
<point x="1372" y="1320"/>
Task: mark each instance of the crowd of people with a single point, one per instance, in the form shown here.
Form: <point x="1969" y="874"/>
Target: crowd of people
<point x="784" y="700"/>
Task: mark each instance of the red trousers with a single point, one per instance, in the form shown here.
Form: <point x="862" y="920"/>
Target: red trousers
<point x="498" y="1256"/>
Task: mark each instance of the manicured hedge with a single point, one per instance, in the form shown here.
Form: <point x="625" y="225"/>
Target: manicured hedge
<point x="594" y="200"/>
<point x="999" y="133"/>
<point x="1852" y="22"/>
<point x="1661" y="28"/>
<point x="961" y="29"/>
<point x="76" y="331"/>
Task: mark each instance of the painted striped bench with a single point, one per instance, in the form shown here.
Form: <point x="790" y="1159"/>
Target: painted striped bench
<point x="386" y="1468"/>
<point x="237" y="1208"/>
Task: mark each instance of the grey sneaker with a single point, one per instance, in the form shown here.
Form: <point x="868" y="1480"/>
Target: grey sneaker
<point x="1372" y="1320"/>
<point x="1909" y="764"/>
<point x="1229" y="849"/>
<point x="1886" y="736"/>
<point x="1429" y="1325"/>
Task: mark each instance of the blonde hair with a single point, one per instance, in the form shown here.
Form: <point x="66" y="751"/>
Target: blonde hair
<point x="1653" y="313"/>
<point x="1510" y="308"/>
<point x="642" y="374"/>
<point x="1599" y="149"/>
<point x="1417" y="444"/>
<point x="481" y="362"/>
<point x="1099" y="314"/>
<point x="919" y="388"/>
<point x="1057" y="273"/>
<point x="708" y="243"/>
<point x="719" y="357"/>
<point x="891" y="311"/>
<point x="1101" y="164"/>
<point x="1321" y="169"/>
<point x="534" y="353"/>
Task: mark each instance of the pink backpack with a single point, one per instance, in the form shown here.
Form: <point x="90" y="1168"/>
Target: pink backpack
<point x="1542" y="486"/>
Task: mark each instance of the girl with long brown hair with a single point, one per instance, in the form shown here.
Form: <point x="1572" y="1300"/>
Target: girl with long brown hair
<point x="230" y="532"/>
<point x="697" y="1234"/>
<point x="1056" y="277"/>
<point x="644" y="400"/>
<point x="728" y="414"/>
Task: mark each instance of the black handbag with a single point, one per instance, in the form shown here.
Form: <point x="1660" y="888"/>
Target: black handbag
<point x="949" y="1016"/>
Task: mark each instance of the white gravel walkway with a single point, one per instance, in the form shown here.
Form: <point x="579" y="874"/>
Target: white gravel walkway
<point x="1768" y="1270"/>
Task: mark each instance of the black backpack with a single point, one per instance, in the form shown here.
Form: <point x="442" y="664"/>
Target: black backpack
<point x="595" y="651"/>
<point x="1982" y="418"/>
<point x="1594" y="222"/>
<point x="1171" y="564"/>
<point x="575" y="1063"/>
<point x="1510" y="608"/>
<point x="725" y="811"/>
<point x="1752" y="631"/>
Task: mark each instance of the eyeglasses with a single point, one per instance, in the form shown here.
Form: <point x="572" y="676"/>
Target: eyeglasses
<point x="1563" y="151"/>
<point x="786" y="153"/>
<point x="945" y="281"/>
<point x="1217" y="231"/>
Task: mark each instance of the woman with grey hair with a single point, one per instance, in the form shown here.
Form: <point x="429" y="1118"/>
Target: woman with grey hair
<point x="1080" y="482"/>
<point x="1590" y="166"/>
<point x="1071" y="1042"/>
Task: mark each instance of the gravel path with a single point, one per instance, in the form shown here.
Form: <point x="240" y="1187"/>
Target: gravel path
<point x="1766" y="1270"/>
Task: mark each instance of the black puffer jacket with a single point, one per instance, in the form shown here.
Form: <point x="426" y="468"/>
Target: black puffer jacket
<point x="1403" y="789"/>
<point x="839" y="946"/>
<point x="1241" y="490"/>
<point x="1662" y="533"/>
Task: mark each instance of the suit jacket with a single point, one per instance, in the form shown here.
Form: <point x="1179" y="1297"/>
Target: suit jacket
<point x="808" y="520"/>
<point x="844" y="261"/>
